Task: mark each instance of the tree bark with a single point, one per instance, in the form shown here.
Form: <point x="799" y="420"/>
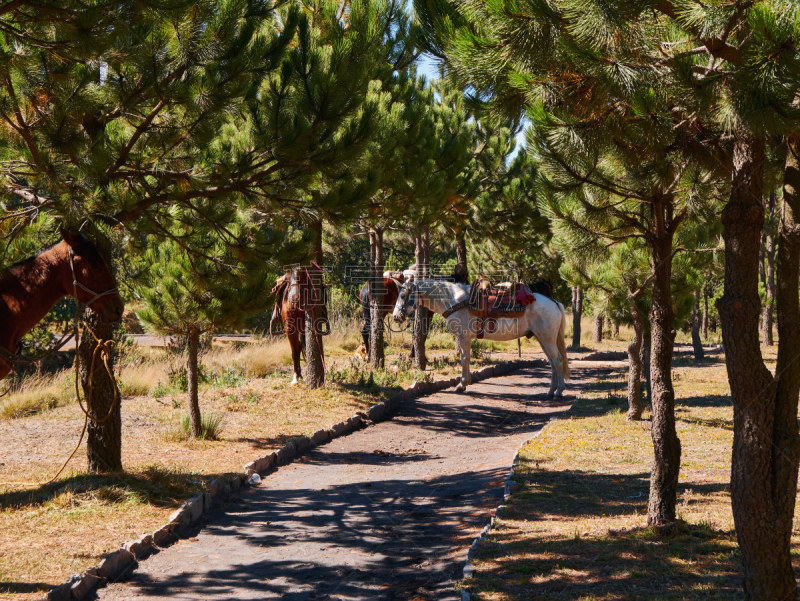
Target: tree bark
<point x="666" y="445"/>
<point x="104" y="433"/>
<point x="577" y="313"/>
<point x="705" y="312"/>
<point x="461" y="254"/>
<point x="646" y="363"/>
<point x="635" y="406"/>
<point x="316" y="313"/>
<point x="697" y="343"/>
<point x="785" y="447"/>
<point x="769" y="280"/>
<point x="377" y="295"/>
<point x="421" y="316"/>
<point x="195" y="419"/>
<point x="598" y="328"/>
<point x="764" y="458"/>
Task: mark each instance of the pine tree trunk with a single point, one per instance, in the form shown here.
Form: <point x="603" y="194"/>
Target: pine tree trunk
<point x="191" y="368"/>
<point x="666" y="445"/>
<point x="697" y="344"/>
<point x="377" y="294"/>
<point x="421" y="318"/>
<point x="577" y="313"/>
<point x="461" y="254"/>
<point x="635" y="406"/>
<point x="785" y="447"/>
<point x="646" y="363"/>
<point x="764" y="459"/>
<point x="598" y="328"/>
<point x="315" y="352"/>
<point x="705" y="312"/>
<point x="103" y="440"/>
<point x="769" y="282"/>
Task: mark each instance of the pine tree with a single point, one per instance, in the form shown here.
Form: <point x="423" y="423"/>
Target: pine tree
<point x="189" y="295"/>
<point x="732" y="70"/>
<point x="612" y="155"/>
<point x="323" y="112"/>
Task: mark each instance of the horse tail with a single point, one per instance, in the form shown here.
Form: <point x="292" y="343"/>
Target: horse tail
<point x="562" y="348"/>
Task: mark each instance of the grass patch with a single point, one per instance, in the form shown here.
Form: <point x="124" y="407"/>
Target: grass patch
<point x="576" y="529"/>
<point x="210" y="427"/>
<point x="36" y="394"/>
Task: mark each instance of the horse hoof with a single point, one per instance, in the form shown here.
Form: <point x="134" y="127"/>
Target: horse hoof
<point x="559" y="394"/>
<point x="551" y="394"/>
<point x="460" y="388"/>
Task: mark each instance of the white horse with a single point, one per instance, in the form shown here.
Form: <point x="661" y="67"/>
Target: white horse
<point x="544" y="318"/>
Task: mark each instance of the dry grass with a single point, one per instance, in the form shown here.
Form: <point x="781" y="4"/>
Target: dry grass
<point x="576" y="529"/>
<point x="52" y="531"/>
<point x="36" y="394"/>
<point x="44" y="527"/>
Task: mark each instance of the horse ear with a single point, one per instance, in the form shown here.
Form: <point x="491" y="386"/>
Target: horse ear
<point x="68" y="237"/>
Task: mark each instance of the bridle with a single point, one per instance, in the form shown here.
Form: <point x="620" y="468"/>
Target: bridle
<point x="411" y="301"/>
<point x="76" y="284"/>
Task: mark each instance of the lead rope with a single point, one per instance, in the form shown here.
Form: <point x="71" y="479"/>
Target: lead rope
<point x="104" y="348"/>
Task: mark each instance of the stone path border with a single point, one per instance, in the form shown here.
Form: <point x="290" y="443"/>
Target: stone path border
<point x="509" y="487"/>
<point x="122" y="562"/>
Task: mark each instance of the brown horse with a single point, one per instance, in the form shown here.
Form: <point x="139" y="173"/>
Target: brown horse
<point x="30" y="288"/>
<point x="297" y="292"/>
<point x="391" y="288"/>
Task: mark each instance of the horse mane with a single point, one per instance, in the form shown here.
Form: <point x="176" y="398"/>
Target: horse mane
<point x="543" y="287"/>
<point x="9" y="271"/>
<point x="81" y="247"/>
<point x="437" y="286"/>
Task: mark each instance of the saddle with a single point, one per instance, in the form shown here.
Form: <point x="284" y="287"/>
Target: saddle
<point x="488" y="303"/>
<point x="278" y="290"/>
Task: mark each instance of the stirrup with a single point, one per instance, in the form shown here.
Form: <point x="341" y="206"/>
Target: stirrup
<point x="278" y="332"/>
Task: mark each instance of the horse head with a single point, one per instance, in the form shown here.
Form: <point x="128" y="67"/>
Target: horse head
<point x="405" y="300"/>
<point x="92" y="281"/>
<point x="293" y="293"/>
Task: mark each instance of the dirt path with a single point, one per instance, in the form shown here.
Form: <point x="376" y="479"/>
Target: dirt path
<point x="386" y="513"/>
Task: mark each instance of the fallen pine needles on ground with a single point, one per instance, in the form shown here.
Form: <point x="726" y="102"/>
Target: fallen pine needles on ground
<point x="576" y="529"/>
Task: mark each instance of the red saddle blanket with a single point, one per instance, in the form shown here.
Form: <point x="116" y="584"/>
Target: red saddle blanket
<point x="487" y="301"/>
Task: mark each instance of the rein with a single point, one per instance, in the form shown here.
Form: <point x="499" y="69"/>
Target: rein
<point x="456" y="307"/>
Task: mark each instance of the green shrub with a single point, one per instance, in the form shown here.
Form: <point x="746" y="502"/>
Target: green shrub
<point x="210" y="426"/>
<point x="230" y="377"/>
<point x="179" y="377"/>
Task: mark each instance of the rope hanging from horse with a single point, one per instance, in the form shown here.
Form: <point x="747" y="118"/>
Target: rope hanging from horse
<point x="103" y="349"/>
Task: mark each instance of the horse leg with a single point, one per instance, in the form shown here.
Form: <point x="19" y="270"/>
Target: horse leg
<point x="365" y="331"/>
<point x="298" y="374"/>
<point x="556" y="378"/>
<point x="464" y="349"/>
<point x="297" y="343"/>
